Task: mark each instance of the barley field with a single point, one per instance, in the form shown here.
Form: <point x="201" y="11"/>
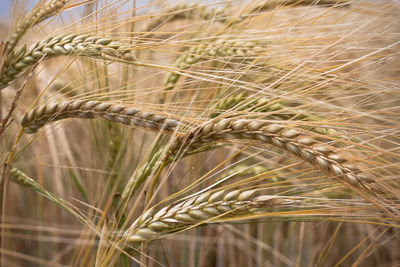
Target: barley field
<point x="200" y="133"/>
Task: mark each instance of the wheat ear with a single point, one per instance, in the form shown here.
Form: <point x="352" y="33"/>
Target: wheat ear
<point x="71" y="44"/>
<point x="39" y="116"/>
<point x="220" y="48"/>
<point x="306" y="148"/>
<point x="206" y="207"/>
<point x="34" y="17"/>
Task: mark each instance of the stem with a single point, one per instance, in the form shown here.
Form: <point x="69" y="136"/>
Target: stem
<point x="3" y="186"/>
<point x="155" y="179"/>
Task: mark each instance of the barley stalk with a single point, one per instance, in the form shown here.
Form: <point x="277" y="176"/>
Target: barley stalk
<point x="36" y="118"/>
<point x="206" y="207"/>
<point x="36" y="16"/>
<point x="71" y="44"/>
<point x="152" y="165"/>
<point x="306" y="148"/>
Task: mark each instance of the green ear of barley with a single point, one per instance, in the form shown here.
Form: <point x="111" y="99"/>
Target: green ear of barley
<point x="217" y="49"/>
<point x="21" y="178"/>
<point x="142" y="173"/>
<point x="71" y="44"/>
<point x="35" y="17"/>
<point x="36" y="118"/>
<point x="261" y="104"/>
<point x="206" y="207"/>
<point x="227" y="103"/>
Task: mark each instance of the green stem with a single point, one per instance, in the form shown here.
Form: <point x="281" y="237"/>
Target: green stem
<point x="156" y="178"/>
